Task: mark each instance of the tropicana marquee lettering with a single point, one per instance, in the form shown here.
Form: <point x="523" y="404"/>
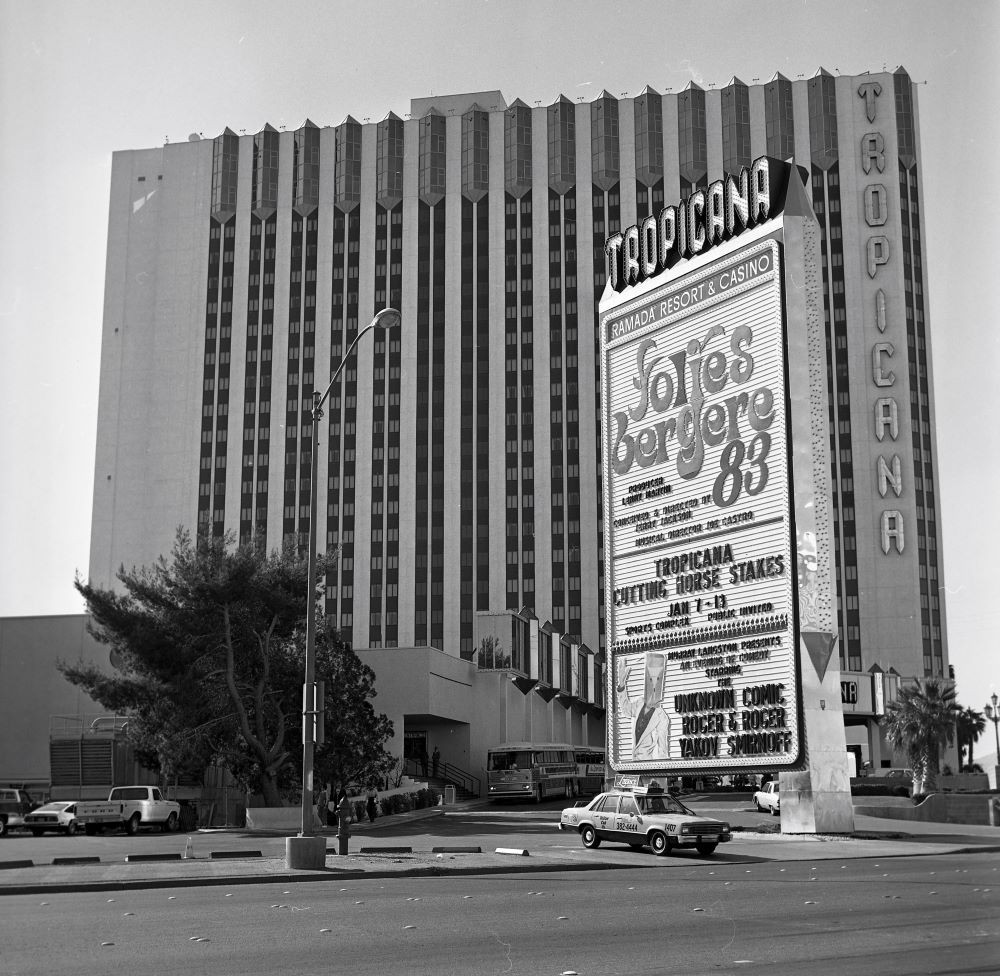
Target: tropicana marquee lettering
<point x="707" y="217"/>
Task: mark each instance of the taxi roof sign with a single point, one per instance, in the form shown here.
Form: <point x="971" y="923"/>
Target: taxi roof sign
<point x="625" y="781"/>
<point x="634" y="783"/>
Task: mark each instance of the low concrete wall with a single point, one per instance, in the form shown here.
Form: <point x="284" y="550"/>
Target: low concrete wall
<point x="290" y="818"/>
<point x="277" y="818"/>
<point x="936" y="808"/>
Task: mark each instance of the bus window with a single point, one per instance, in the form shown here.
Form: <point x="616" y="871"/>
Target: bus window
<point x="512" y="760"/>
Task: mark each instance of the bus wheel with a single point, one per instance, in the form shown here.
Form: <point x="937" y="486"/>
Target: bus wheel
<point x="658" y="843"/>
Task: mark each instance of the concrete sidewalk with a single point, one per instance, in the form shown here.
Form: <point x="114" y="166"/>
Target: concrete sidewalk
<point x="875" y="837"/>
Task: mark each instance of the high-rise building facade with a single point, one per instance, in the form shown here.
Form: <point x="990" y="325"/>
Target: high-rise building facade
<point x="460" y="462"/>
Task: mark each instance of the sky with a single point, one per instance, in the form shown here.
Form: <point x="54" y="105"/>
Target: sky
<point x="81" y="79"/>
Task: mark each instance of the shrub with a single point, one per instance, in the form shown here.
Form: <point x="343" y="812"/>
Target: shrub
<point x="877" y="788"/>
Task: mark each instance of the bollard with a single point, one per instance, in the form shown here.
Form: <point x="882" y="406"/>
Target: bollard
<point x="344" y="827"/>
<point x="188" y="849"/>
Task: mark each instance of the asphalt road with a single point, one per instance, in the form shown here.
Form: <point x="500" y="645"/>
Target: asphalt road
<point x="853" y="918"/>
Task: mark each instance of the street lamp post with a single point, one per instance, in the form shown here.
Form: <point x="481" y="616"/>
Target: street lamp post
<point x="993" y="714"/>
<point x="307" y="850"/>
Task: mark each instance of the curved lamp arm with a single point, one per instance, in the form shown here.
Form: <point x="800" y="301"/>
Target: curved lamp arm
<point x="388" y="318"/>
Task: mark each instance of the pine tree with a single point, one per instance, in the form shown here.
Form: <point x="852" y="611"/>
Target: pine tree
<point x="208" y="648"/>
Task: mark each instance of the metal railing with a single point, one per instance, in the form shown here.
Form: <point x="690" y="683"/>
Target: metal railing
<point x="444" y="771"/>
<point x="71" y="726"/>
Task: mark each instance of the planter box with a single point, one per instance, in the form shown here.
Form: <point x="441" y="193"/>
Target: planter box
<point x="963" y="783"/>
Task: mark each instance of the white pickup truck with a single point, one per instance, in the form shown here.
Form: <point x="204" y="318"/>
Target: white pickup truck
<point x="128" y="808"/>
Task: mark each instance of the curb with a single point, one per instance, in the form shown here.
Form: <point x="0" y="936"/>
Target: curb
<point x="433" y="870"/>
<point x="331" y="874"/>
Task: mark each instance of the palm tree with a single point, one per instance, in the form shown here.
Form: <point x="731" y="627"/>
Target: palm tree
<point x="919" y="722"/>
<point x="969" y="726"/>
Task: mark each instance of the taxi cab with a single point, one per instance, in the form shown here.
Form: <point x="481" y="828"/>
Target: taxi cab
<point x="644" y="816"/>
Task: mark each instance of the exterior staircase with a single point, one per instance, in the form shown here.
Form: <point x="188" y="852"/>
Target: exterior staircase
<point x="467" y="786"/>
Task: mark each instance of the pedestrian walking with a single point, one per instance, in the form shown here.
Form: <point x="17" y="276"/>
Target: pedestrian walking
<point x="339" y="797"/>
<point x="435" y="760"/>
<point x="370" y="804"/>
<point x="322" y="800"/>
<point x="423" y="759"/>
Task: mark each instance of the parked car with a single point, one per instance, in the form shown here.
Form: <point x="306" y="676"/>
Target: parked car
<point x="128" y="808"/>
<point x="766" y="799"/>
<point x="644" y="816"/>
<point x="59" y="816"/>
<point x="15" y="805"/>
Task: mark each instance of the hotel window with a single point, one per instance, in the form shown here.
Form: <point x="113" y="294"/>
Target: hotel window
<point x="780" y="130"/>
<point x="692" y="139"/>
<point x="735" y="126"/>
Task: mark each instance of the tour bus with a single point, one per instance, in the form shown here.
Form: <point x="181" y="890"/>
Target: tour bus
<point x="590" y="762"/>
<point x="531" y="769"/>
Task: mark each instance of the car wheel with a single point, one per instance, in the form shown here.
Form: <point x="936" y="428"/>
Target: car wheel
<point x="36" y="831"/>
<point x="659" y="844"/>
<point x="776" y="811"/>
<point x="3" y="828"/>
<point x="71" y="828"/>
<point x="706" y="849"/>
<point x="589" y="837"/>
<point x="132" y="825"/>
<point x="172" y="822"/>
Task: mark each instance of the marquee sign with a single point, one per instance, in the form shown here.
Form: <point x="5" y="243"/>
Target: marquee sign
<point x="706" y="218"/>
<point x="701" y="557"/>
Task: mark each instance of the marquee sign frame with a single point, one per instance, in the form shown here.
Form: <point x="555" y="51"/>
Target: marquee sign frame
<point x="703" y="568"/>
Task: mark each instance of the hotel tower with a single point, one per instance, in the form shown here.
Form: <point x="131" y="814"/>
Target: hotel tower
<point x="460" y="458"/>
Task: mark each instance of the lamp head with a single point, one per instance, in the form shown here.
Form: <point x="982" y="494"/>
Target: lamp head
<point x="388" y="318"/>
